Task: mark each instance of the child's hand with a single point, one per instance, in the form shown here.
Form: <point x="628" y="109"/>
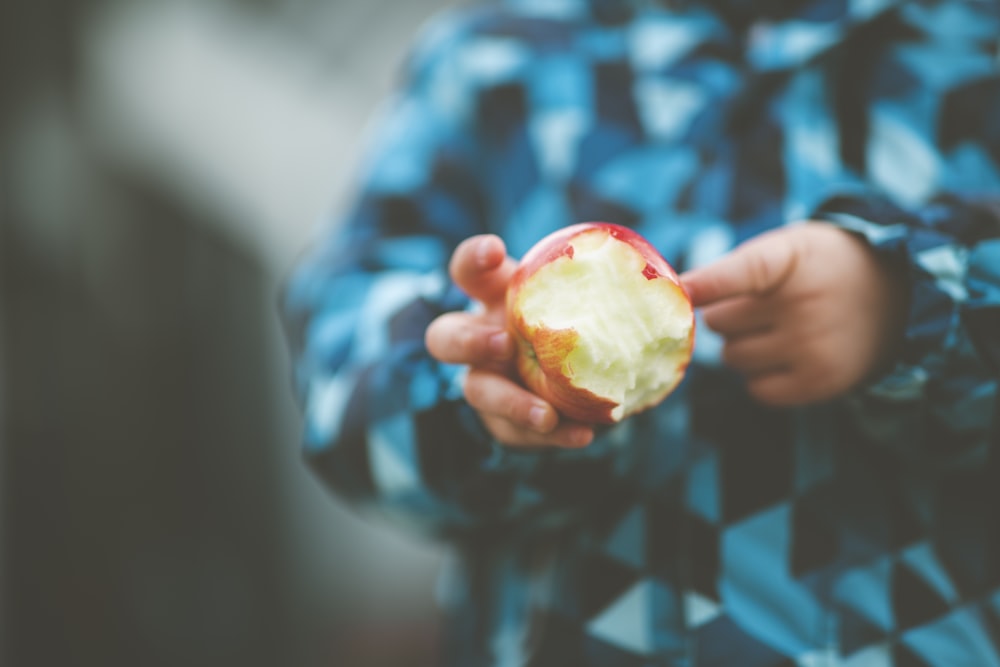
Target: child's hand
<point x="515" y="416"/>
<point x="807" y="311"/>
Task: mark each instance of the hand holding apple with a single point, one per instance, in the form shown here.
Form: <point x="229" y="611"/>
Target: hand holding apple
<point x="481" y="341"/>
<point x="807" y="311"/>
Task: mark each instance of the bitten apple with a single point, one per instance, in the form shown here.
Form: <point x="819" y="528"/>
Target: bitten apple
<point x="603" y="327"/>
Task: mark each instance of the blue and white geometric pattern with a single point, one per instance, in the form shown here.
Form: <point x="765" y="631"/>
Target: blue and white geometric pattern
<point x="711" y="531"/>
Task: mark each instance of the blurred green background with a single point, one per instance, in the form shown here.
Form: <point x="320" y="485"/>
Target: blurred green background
<point x="163" y="164"/>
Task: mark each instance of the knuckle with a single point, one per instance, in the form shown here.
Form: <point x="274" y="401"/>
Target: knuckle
<point x="760" y="271"/>
<point x="730" y="354"/>
<point x="745" y="356"/>
<point x="505" y="432"/>
<point x="769" y="392"/>
<point x="769" y="261"/>
<point x="464" y="341"/>
<point x="712" y="317"/>
<point x="475" y="391"/>
<point x="498" y="428"/>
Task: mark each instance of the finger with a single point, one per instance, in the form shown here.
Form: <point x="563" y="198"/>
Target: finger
<point x="461" y="338"/>
<point x="755" y="268"/>
<point x="740" y="316"/>
<point x="480" y="267"/>
<point x="755" y="355"/>
<point x="497" y="396"/>
<point x="569" y="435"/>
<point x="779" y="389"/>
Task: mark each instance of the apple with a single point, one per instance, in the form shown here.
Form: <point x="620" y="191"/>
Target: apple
<point x="604" y="328"/>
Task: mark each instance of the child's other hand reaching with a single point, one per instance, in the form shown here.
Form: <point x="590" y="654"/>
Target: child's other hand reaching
<point x="807" y="312"/>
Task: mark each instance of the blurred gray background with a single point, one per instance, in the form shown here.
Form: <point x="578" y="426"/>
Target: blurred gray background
<point x="163" y="164"/>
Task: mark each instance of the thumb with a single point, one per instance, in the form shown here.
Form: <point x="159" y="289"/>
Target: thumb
<point x="755" y="268"/>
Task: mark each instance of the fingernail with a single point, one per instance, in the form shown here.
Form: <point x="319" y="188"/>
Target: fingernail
<point x="537" y="417"/>
<point x="500" y="346"/>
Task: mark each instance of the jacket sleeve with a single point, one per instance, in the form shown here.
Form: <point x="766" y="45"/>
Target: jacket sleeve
<point x="385" y="424"/>
<point x="937" y="403"/>
<point x="930" y="204"/>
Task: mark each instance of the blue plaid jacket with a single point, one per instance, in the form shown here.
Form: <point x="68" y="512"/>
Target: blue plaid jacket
<point x="711" y="531"/>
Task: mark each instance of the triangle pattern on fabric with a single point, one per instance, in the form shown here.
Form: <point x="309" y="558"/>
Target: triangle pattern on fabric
<point x="903" y="656"/>
<point x="626" y="622"/>
<point x="857" y="632"/>
<point x="914" y="601"/>
<point x="699" y="609"/>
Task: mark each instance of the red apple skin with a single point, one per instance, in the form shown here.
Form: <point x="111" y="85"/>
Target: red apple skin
<point x="539" y="366"/>
<point x="540" y="353"/>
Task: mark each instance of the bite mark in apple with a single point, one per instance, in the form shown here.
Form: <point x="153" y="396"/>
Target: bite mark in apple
<point x="609" y="327"/>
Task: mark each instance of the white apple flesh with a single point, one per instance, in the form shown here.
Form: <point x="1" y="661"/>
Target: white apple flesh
<point x="603" y="326"/>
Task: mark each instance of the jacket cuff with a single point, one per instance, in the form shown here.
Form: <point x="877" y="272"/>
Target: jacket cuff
<point x="934" y="265"/>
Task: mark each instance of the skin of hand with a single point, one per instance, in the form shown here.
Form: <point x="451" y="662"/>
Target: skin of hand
<point x="480" y="340"/>
<point x="807" y="312"/>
